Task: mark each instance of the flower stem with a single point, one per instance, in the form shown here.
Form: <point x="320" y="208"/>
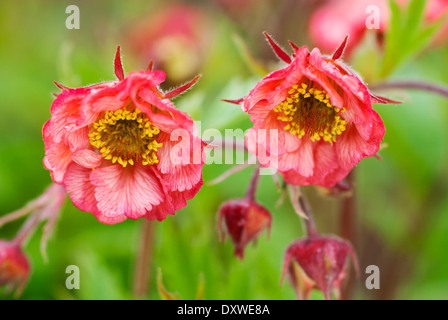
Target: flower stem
<point x="250" y="194"/>
<point x="310" y="223"/>
<point x="143" y="264"/>
<point x="348" y="210"/>
<point x="348" y="219"/>
<point x="27" y="228"/>
<point x="443" y="91"/>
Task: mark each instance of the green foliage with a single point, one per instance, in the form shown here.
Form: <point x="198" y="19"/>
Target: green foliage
<point x="407" y="34"/>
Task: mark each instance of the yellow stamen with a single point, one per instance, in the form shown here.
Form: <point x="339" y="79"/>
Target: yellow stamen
<point x="307" y="110"/>
<point x="126" y="136"/>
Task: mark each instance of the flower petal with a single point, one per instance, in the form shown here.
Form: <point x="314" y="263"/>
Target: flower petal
<point x="79" y="187"/>
<point x="301" y="160"/>
<point x="351" y="147"/>
<point x="87" y="158"/>
<point x="130" y="191"/>
<point x="57" y="159"/>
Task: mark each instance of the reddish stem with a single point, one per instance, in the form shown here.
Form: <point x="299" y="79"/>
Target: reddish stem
<point x="310" y="223"/>
<point x="250" y="194"/>
<point x="443" y="91"/>
<point x="143" y="264"/>
<point x="348" y="218"/>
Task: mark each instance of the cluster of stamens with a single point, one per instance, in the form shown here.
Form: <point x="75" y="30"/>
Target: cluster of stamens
<point x="308" y="111"/>
<point x="126" y="136"/>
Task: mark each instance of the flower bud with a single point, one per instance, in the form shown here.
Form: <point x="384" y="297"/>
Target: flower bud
<point x="14" y="267"/>
<point x="318" y="262"/>
<point x="243" y="220"/>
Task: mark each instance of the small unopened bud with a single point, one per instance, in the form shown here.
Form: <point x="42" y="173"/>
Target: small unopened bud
<point x="14" y="267"/>
<point x="243" y="220"/>
<point x="318" y="262"/>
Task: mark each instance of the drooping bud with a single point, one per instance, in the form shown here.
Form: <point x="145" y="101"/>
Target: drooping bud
<point x="243" y="220"/>
<point x="318" y="262"/>
<point x="14" y="267"/>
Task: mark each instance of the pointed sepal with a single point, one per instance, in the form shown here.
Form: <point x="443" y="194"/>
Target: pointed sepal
<point x="340" y="51"/>
<point x="118" y="65"/>
<point x="278" y="51"/>
<point x="174" y="93"/>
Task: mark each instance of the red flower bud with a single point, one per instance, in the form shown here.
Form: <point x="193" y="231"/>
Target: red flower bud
<point x="243" y="220"/>
<point x="14" y="266"/>
<point x="318" y="262"/>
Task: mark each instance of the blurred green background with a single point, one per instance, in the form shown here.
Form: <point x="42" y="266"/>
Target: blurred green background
<point x="402" y="222"/>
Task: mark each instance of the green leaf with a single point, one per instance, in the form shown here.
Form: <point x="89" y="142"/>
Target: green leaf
<point x="408" y="34"/>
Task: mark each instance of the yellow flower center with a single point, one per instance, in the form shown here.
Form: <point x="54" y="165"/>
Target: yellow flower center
<point x="308" y="111"/>
<point x="125" y="137"/>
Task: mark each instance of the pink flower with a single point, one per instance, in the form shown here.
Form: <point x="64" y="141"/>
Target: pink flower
<point x="320" y="113"/>
<point x="14" y="266"/>
<point x="176" y="36"/>
<point x="317" y="262"/>
<point x="111" y="146"/>
<point x="326" y="25"/>
<point x="243" y="220"/>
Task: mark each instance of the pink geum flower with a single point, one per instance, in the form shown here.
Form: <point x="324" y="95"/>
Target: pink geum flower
<point x="14" y="266"/>
<point x="318" y="262"/>
<point x="114" y="146"/>
<point x="320" y="113"/>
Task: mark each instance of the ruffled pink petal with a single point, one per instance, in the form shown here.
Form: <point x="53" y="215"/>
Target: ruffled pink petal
<point x="160" y="212"/>
<point x="180" y="197"/>
<point x="351" y="147"/>
<point x="355" y="99"/>
<point x="130" y="191"/>
<point x="109" y="99"/>
<point x="272" y="136"/>
<point x="294" y="178"/>
<point x="57" y="159"/>
<point x="137" y="81"/>
<point x="174" y="153"/>
<point x="184" y="177"/>
<point x="266" y="90"/>
<point x="79" y="187"/>
<point x="108" y="220"/>
<point x="166" y="207"/>
<point x="78" y="139"/>
<point x="341" y="75"/>
<point x="315" y="72"/>
<point x="183" y="174"/>
<point x="87" y="158"/>
<point x="274" y="87"/>
<point x="65" y="111"/>
<point x="164" y="116"/>
<point x="326" y="162"/>
<point x="301" y="160"/>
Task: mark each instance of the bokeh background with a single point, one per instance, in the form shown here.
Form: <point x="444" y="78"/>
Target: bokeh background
<point x="402" y="207"/>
